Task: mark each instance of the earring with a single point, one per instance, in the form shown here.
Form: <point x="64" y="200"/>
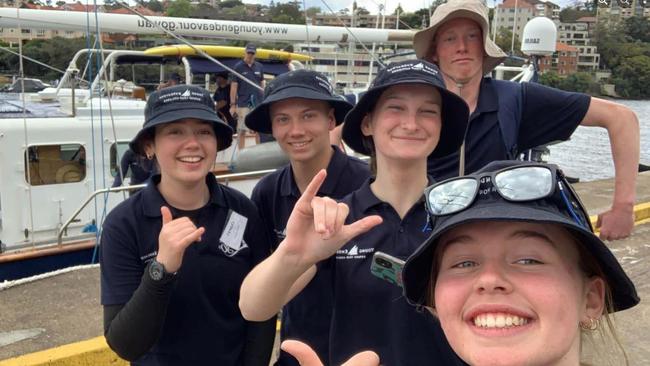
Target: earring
<point x="591" y="325"/>
<point x="149" y="156"/>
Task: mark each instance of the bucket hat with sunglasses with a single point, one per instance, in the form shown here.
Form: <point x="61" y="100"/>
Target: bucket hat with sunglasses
<point x="511" y="191"/>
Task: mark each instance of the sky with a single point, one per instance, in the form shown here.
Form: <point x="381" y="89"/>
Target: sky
<point x="373" y="5"/>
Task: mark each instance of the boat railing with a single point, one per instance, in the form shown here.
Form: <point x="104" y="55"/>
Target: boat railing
<point x="59" y="237"/>
<point x="223" y="178"/>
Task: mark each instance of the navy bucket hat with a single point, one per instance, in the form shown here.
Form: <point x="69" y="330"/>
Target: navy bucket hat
<point x="179" y="102"/>
<point x="455" y="112"/>
<point x="302" y="83"/>
<point x="561" y="207"/>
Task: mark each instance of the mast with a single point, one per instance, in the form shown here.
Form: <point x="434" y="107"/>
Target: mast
<point x="209" y="28"/>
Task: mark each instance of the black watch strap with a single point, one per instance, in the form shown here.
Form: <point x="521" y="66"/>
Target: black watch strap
<point x="158" y="273"/>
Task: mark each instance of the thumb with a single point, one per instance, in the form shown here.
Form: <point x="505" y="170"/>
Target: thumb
<point x="302" y="352"/>
<point x="365" y="358"/>
<point x="361" y="226"/>
<point x="166" y="215"/>
<point x="599" y="221"/>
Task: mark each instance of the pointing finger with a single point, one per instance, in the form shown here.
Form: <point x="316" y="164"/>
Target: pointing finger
<point x="312" y="188"/>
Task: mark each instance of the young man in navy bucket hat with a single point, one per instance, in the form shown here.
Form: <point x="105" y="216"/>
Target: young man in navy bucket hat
<point x="406" y="115"/>
<point x="300" y="109"/>
<point x="174" y="254"/>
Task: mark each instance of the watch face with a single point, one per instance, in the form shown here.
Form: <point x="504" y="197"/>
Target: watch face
<point x="156" y="271"/>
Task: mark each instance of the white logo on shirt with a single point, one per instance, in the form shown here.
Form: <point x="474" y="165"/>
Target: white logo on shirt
<point x="354" y="252"/>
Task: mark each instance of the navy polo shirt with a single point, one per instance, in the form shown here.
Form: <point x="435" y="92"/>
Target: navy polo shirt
<point x="371" y="313"/>
<point x="307" y="316"/>
<point x="248" y="95"/>
<point x="548" y="115"/>
<point x="203" y="325"/>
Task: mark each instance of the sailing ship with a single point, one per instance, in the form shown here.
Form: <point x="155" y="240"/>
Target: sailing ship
<point x="60" y="148"/>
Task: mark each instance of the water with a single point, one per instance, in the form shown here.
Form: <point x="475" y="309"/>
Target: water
<point x="588" y="155"/>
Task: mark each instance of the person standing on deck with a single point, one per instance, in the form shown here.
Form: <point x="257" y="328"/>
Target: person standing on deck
<point x="406" y="115"/>
<point x="222" y="99"/>
<point x="458" y="42"/>
<point x="300" y="109"/>
<point x="243" y="95"/>
<point x="174" y="254"/>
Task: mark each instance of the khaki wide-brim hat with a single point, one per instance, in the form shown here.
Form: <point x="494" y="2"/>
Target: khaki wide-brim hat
<point x="470" y="9"/>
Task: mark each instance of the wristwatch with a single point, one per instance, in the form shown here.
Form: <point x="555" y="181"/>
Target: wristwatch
<point x="158" y="273"/>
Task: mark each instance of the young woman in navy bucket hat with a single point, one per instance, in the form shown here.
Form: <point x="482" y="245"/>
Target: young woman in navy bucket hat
<point x="174" y="255"/>
<point x="406" y="115"/>
<point x="514" y="271"/>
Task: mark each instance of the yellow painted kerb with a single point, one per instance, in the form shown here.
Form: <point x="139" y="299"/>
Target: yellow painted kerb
<point x="92" y="352"/>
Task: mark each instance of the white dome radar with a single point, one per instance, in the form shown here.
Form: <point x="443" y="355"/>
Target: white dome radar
<point x="539" y="37"/>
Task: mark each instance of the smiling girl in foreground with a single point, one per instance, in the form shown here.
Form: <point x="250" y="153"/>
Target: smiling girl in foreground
<point x="513" y="269"/>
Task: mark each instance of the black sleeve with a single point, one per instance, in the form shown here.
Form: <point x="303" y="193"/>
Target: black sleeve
<point x="125" y="162"/>
<point x="549" y="114"/>
<point x="133" y="328"/>
<point x="260" y="337"/>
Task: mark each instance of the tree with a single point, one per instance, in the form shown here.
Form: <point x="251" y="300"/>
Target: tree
<point x="232" y="3"/>
<point x="179" y="8"/>
<point x="155" y="5"/>
<point x="314" y="10"/>
<point x="632" y="77"/>
<point x="637" y="29"/>
<point x="550" y="78"/>
<point x="578" y="82"/>
<point x="410" y="21"/>
<point x="504" y="40"/>
<point x="287" y="13"/>
<point x="571" y="14"/>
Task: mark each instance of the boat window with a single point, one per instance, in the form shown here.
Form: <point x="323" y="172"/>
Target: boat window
<point x="116" y="152"/>
<point x="55" y="164"/>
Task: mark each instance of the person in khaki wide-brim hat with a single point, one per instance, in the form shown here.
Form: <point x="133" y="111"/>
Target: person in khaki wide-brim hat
<point x="508" y="118"/>
<point x="470" y="9"/>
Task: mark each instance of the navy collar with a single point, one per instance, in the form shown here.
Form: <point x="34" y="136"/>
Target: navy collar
<point x="335" y="168"/>
<point x="152" y="200"/>
<point x="365" y="199"/>
<point x="488" y="100"/>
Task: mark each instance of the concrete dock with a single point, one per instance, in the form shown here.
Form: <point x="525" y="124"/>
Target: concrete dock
<point x="42" y="322"/>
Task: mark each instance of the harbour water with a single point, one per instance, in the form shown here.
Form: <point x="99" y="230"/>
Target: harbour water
<point x="588" y="156"/>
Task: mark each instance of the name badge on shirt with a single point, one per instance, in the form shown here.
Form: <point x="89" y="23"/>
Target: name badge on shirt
<point x="232" y="236"/>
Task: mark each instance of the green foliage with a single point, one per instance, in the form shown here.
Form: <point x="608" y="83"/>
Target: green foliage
<point x="504" y="41"/>
<point x="230" y="4"/>
<point x="637" y="29"/>
<point x="179" y="8"/>
<point x="577" y="82"/>
<point x="410" y="21"/>
<point x="55" y="52"/>
<point x="286" y="13"/>
<point x="155" y="5"/>
<point x="550" y="78"/>
<point x="314" y="10"/>
<point x="625" y="49"/>
<point x="570" y="15"/>
<point x="632" y="77"/>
